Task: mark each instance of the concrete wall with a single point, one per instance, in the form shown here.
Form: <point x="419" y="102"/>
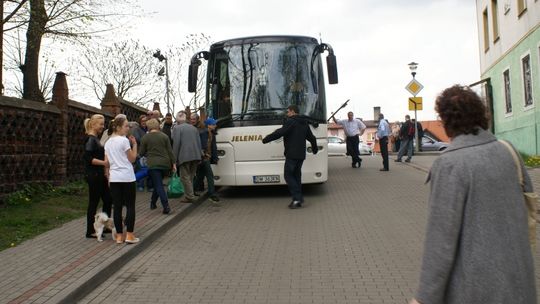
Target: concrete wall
<point x="512" y="28"/>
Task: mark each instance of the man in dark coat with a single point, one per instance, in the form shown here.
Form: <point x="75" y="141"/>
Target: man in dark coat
<point x="295" y="131"/>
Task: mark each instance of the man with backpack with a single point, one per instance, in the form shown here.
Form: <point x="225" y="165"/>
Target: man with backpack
<point x="406" y="133"/>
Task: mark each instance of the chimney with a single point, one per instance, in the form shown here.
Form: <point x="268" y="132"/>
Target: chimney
<point x="376" y="112"/>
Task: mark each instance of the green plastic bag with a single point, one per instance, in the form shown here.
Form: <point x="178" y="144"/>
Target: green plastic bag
<point x="176" y="189"/>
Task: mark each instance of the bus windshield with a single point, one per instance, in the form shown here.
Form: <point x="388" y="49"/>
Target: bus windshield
<point x="253" y="83"/>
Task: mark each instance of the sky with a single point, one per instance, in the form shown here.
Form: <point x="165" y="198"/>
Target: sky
<point x="373" y="41"/>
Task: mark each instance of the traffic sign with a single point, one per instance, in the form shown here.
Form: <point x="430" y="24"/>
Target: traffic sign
<point x="415" y="101"/>
<point x="414" y="87"/>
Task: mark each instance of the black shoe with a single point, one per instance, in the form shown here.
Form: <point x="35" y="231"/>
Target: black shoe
<point x="397" y="160"/>
<point x="354" y="165"/>
<point x="295" y="204"/>
<point x="214" y="198"/>
<point x="153" y="206"/>
<point x="91" y="236"/>
<point x="408" y="160"/>
<point x="383" y="169"/>
<point x="359" y="163"/>
<point x="166" y="210"/>
<point x="196" y="193"/>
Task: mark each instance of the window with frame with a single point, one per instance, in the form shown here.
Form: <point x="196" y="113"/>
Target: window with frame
<point x="495" y="21"/>
<point x="521" y="6"/>
<point x="527" y="79"/>
<point x="486" y="30"/>
<point x="507" y="95"/>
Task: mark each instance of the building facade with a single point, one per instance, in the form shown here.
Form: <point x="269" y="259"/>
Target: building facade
<point x="509" y="45"/>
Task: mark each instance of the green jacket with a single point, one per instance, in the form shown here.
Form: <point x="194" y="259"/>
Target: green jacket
<point x="157" y="149"/>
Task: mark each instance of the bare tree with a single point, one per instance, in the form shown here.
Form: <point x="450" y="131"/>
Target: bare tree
<point x="179" y="60"/>
<point x="70" y="20"/>
<point x="128" y="65"/>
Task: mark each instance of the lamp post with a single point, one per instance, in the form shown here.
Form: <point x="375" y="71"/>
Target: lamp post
<point x="413" y="66"/>
<point x="161" y="58"/>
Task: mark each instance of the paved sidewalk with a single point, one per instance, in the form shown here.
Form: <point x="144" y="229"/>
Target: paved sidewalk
<point x="62" y="264"/>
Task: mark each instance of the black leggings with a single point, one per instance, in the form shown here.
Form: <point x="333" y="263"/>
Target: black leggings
<point x="123" y="194"/>
<point x="98" y="188"/>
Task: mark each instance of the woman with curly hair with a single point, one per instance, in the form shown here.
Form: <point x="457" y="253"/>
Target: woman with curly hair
<point x="477" y="244"/>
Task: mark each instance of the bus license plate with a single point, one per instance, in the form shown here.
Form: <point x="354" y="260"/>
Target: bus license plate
<point x="265" y="179"/>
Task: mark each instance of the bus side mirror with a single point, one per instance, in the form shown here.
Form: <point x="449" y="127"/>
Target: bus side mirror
<point x="331" y="67"/>
<point x="192" y="77"/>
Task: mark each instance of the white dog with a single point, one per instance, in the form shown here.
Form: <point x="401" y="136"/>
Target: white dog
<point x="101" y="222"/>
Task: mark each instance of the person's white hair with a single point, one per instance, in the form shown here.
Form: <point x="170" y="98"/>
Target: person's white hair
<point x="181" y="117"/>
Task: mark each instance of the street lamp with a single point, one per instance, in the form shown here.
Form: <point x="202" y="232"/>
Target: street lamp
<point x="413" y="66"/>
<point x="165" y="71"/>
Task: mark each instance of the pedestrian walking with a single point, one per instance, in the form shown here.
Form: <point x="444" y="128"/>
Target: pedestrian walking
<point x="383" y="132"/>
<point x="477" y="240"/>
<point x="94" y="163"/>
<point x="406" y="135"/>
<point x="156" y="147"/>
<point x="295" y="131"/>
<point x="354" y="128"/>
<point x="120" y="155"/>
<point x="188" y="152"/>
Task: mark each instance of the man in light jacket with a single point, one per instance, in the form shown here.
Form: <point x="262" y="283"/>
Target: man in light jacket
<point x="188" y="152"/>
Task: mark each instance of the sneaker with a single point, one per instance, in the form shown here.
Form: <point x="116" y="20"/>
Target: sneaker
<point x="166" y="210"/>
<point x="214" y="198"/>
<point x="132" y="241"/>
<point x="397" y="160"/>
<point x="153" y="206"/>
<point x="408" y="160"/>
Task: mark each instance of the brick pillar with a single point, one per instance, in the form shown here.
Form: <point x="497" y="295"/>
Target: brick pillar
<point x="60" y="98"/>
<point x="110" y="103"/>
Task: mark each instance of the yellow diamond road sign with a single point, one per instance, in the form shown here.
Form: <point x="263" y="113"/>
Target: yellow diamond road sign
<point x="414" y="87"/>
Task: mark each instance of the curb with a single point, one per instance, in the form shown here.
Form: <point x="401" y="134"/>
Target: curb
<point x="115" y="265"/>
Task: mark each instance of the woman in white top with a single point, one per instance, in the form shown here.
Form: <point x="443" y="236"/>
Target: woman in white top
<point x="120" y="155"/>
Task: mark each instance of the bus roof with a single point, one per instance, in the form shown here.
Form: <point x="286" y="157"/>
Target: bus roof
<point x="269" y="38"/>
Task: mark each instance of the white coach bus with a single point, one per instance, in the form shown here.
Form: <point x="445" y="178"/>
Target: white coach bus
<point x="250" y="83"/>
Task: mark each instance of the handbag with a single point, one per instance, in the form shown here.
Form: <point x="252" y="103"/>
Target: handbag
<point x="531" y="198"/>
<point x="175" y="188"/>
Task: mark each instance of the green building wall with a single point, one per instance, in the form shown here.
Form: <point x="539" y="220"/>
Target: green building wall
<point x="521" y="127"/>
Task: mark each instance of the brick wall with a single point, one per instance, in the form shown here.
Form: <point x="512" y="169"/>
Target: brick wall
<point x="43" y="142"/>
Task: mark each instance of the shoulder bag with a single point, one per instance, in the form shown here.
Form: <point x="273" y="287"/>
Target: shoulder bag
<point x="531" y="198"/>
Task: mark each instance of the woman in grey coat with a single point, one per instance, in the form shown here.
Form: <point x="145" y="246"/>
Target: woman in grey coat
<point x="477" y="246"/>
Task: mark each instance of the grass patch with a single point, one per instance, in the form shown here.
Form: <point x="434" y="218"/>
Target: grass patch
<point x="532" y="161"/>
<point x="39" y="208"/>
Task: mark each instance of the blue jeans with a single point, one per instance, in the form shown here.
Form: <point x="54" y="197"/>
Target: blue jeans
<point x="204" y="170"/>
<point x="156" y="175"/>
<point x="293" y="178"/>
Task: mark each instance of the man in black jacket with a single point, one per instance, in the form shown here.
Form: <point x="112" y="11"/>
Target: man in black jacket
<point x="295" y="131"/>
